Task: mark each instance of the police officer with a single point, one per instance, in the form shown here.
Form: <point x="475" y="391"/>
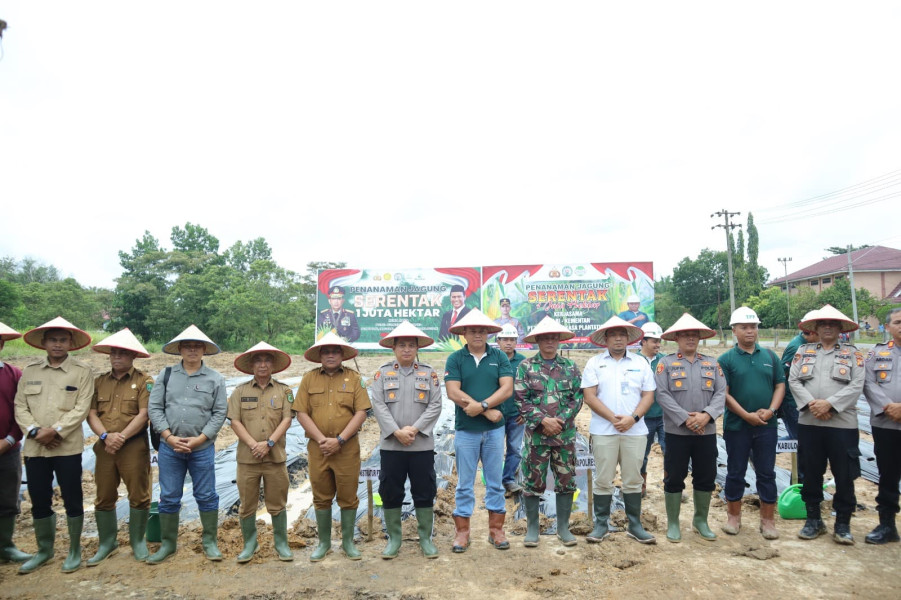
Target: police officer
<point x="406" y="400"/>
<point x="260" y="411"/>
<point x="882" y="387"/>
<point x="118" y="417"/>
<point x="337" y="318"/>
<point x="52" y="401"/>
<point x="826" y="380"/>
<point x="691" y="390"/>
<point x="10" y="455"/>
<point x="331" y="407"/>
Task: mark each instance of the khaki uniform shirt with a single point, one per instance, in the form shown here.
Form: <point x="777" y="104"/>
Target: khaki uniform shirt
<point x="117" y="401"/>
<point x="882" y="384"/>
<point x="833" y="374"/>
<point x="260" y="410"/>
<point x="684" y="387"/>
<point x="58" y="397"/>
<point x="331" y="400"/>
<point x="403" y="396"/>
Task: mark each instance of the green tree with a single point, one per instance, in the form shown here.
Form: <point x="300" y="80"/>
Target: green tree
<point x="839" y="295"/>
<point x="844" y="249"/>
<point x="701" y="285"/>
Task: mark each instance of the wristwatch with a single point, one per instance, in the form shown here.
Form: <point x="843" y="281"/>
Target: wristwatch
<point x="103" y="436"/>
<point x="636" y="417"/>
<point x="33" y="433"/>
<point x="270" y="443"/>
<point x="340" y="439"/>
<point x="484" y="405"/>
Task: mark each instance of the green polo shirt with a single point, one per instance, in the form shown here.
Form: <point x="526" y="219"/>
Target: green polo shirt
<point x="479" y="381"/>
<point x="751" y="378"/>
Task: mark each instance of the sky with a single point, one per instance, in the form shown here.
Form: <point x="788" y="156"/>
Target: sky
<point x="424" y="134"/>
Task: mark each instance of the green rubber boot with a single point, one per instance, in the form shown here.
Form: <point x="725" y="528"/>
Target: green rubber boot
<point x="137" y="532"/>
<point x="530" y="503"/>
<point x="168" y="536"/>
<point x="425" y="519"/>
<point x="395" y="532"/>
<point x="673" y="501"/>
<point x="107" y="530"/>
<point x="702" y="508"/>
<point x="280" y="535"/>
<point x="601" y="515"/>
<point x="348" y="522"/>
<point x="564" y="508"/>
<point x="209" y="539"/>
<point x="8" y="550"/>
<point x="633" y="513"/>
<point x="73" y="559"/>
<point x="249" y="533"/>
<point x="324" y="526"/>
<point x="45" y="534"/>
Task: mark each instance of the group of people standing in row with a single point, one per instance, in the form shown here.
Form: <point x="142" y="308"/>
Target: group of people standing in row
<point x="513" y="415"/>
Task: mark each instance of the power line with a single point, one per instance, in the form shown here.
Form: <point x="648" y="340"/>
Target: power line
<point x="857" y="187"/>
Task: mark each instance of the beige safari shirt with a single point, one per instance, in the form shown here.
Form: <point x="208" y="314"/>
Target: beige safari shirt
<point x="260" y="410"/>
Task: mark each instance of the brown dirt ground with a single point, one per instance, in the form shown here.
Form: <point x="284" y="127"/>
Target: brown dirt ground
<point x="745" y="565"/>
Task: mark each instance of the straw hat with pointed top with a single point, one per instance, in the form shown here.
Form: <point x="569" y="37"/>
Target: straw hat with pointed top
<point x="124" y="340"/>
<point x="329" y="339"/>
<point x="548" y="326"/>
<point x="192" y="334"/>
<point x="688" y="323"/>
<point x="35" y="337"/>
<point x="808" y="316"/>
<point x="474" y="318"/>
<point x="281" y="360"/>
<point x="827" y="313"/>
<point x="8" y="333"/>
<point x="599" y="337"/>
<point x="408" y="330"/>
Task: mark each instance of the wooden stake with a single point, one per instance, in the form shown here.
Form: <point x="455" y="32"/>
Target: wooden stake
<point x="369" y="510"/>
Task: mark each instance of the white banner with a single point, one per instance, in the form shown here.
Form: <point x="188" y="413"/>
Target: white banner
<point x="786" y="446"/>
<point x="370" y="473"/>
<point x="584" y="462"/>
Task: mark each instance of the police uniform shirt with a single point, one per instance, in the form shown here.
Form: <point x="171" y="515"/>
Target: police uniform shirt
<point x="833" y="374"/>
<point x="57" y="397"/>
<point x="619" y="387"/>
<point x="118" y="401"/>
<point x="882" y="383"/>
<point x="405" y="396"/>
<point x="344" y="322"/>
<point x="331" y="400"/>
<point x="684" y="387"/>
<point x="260" y="411"/>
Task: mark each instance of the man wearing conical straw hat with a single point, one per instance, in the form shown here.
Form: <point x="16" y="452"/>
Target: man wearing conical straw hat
<point x="788" y="411"/>
<point x="826" y="380"/>
<point x="331" y="407"/>
<point x="548" y="395"/>
<point x="619" y="389"/>
<point x="10" y="454"/>
<point x="119" y="419"/>
<point x="260" y="411"/>
<point x="188" y="410"/>
<point x="52" y="401"/>
<point x="406" y="400"/>
<point x="691" y="390"/>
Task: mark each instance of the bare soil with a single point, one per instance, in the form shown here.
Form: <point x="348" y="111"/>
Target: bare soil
<point x="742" y="566"/>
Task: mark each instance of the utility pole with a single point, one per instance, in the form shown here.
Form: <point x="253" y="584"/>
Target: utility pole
<point x="728" y="227"/>
<point x="788" y="293"/>
<point x="853" y="292"/>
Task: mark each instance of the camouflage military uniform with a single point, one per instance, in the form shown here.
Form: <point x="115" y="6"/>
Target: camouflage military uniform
<point x="540" y="392"/>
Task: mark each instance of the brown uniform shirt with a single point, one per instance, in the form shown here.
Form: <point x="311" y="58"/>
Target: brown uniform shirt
<point x="117" y="401"/>
<point x="260" y="410"/>
<point x="331" y="400"/>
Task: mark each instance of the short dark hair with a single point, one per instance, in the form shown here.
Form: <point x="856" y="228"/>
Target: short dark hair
<point x="891" y="313"/>
<point x="457" y="288"/>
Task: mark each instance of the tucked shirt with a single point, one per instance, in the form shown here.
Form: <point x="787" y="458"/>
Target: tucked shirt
<point x="9" y="381"/>
<point x="655" y="411"/>
<point x="478" y="378"/>
<point x="685" y="386"/>
<point x="548" y="389"/>
<point x="787" y="355"/>
<point x="619" y="386"/>
<point x="751" y="379"/>
<point x="833" y="374"/>
<point x="193" y="404"/>
<point x="57" y="397"/>
<point x="882" y="383"/>
<point x="509" y="406"/>
<point x="260" y="410"/>
<point x="403" y="397"/>
<point x="331" y="400"/>
<point x="118" y="401"/>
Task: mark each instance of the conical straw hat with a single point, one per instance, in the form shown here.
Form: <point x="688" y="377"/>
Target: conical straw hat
<point x="8" y="333"/>
<point x="329" y="339"/>
<point x="281" y="360"/>
<point x="80" y="338"/>
<point x="406" y="329"/>
<point x="688" y="323"/>
<point x="474" y="318"/>
<point x="827" y="313"/>
<point x="124" y="340"/>
<point x="548" y="326"/>
<point x="599" y="337"/>
<point x="192" y="334"/>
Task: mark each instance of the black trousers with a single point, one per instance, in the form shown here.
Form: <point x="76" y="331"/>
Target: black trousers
<point x="700" y="451"/>
<point x="887" y="443"/>
<point x="39" y="471"/>
<point x="397" y="465"/>
<point x="840" y="448"/>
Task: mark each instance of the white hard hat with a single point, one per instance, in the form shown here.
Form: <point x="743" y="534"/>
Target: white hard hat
<point x="652" y="330"/>
<point x="633" y="299"/>
<point x="743" y="315"/>
<point x="509" y="331"/>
